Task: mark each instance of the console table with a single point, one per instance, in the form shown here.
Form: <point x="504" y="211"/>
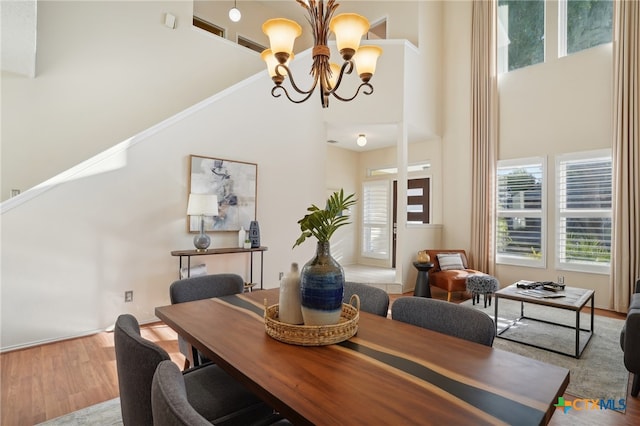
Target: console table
<point x="189" y="253"/>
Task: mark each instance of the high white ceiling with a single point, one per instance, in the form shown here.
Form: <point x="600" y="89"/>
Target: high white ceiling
<point x="19" y="30"/>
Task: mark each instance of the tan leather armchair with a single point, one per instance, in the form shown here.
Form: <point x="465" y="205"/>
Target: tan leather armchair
<point x="451" y="280"/>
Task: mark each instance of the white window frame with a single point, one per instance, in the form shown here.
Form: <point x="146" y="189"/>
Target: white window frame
<point x="562" y="212"/>
<point x="512" y="259"/>
<point x="563" y="10"/>
<point x="385" y="225"/>
<point x="503" y="41"/>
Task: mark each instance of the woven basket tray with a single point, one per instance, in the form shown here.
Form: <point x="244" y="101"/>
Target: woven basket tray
<point x="314" y="335"/>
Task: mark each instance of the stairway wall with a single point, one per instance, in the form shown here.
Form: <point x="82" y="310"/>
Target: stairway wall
<point x="106" y="71"/>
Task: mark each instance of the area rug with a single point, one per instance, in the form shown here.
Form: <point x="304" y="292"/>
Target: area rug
<point x="104" y="414"/>
<point x="600" y="371"/>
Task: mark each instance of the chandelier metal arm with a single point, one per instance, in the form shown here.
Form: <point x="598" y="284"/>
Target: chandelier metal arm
<point x="275" y="94"/>
<point x="364" y="91"/>
<point x="293" y="82"/>
<point x="347" y="68"/>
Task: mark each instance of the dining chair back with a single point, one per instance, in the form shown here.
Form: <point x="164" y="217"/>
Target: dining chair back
<point x="136" y="362"/>
<point x="169" y="401"/>
<point x="197" y="288"/>
<point x="445" y="317"/>
<point x="213" y="393"/>
<point x="372" y="299"/>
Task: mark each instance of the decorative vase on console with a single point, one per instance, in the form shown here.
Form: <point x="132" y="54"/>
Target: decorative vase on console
<point x="242" y="236"/>
<point x="322" y="278"/>
<point x="254" y="234"/>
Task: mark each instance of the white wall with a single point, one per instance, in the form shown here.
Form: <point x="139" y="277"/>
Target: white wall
<point x="401" y="16"/>
<point x="456" y="148"/>
<point x="71" y="252"/>
<point x="558" y="107"/>
<point x="563" y="105"/>
<point x="72" y="246"/>
<point x="105" y="71"/>
<point x="254" y="14"/>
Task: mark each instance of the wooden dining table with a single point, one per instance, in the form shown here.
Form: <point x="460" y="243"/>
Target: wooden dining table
<point x="388" y="373"/>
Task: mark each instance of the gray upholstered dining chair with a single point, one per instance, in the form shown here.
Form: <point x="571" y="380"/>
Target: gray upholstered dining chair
<point x="169" y="403"/>
<point x="210" y="390"/>
<point x="171" y="407"/>
<point x="445" y="317"/>
<point x="372" y="299"/>
<point x="197" y="288"/>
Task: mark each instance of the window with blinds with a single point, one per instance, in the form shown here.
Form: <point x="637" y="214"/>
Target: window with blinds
<point x="583" y="185"/>
<point x="375" y="219"/>
<point x="520" y="222"/>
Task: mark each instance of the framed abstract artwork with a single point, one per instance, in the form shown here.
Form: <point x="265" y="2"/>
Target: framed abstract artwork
<point x="233" y="182"/>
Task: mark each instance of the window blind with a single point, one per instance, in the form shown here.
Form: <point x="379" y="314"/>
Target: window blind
<point x="520" y="222"/>
<point x="583" y="185"/>
<point x="375" y="208"/>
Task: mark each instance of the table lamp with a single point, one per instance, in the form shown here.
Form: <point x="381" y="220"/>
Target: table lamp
<point x="202" y="205"/>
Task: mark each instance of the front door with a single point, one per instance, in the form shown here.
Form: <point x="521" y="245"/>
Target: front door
<point x="417" y="207"/>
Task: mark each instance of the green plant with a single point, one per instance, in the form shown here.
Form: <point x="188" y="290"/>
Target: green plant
<point x="322" y="223"/>
<point x="586" y="248"/>
<point x="536" y="254"/>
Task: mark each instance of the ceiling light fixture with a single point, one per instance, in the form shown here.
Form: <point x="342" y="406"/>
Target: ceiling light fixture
<point x="362" y="140"/>
<point x="348" y="28"/>
<point x="234" y="13"/>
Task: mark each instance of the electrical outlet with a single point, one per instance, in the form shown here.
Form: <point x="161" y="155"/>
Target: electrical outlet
<point x="128" y="296"/>
<point x="280" y="275"/>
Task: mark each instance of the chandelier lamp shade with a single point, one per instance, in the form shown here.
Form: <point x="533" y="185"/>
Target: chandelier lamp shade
<point x="202" y="205"/>
<point x="349" y="28"/>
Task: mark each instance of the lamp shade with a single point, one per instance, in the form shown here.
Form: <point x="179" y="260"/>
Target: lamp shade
<point x="362" y="140"/>
<point x="366" y="59"/>
<point x="271" y="61"/>
<point x="349" y="29"/>
<point x="282" y="34"/>
<point x="335" y="72"/>
<point x="202" y="204"/>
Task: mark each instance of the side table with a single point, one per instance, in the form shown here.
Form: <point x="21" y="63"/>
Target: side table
<point x="189" y="253"/>
<point x="422" y="281"/>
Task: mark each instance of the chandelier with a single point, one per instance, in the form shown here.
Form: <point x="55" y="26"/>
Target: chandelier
<point x="348" y="29"/>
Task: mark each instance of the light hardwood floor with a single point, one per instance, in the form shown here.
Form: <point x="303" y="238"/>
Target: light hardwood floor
<point x="47" y="381"/>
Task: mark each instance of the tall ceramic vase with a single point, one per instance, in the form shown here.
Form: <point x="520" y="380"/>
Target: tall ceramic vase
<point x="321" y="288"/>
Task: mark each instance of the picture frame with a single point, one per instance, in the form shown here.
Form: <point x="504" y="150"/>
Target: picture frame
<point x="234" y="182"/>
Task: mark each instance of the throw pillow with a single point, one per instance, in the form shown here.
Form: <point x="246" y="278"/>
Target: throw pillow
<point x="450" y="261"/>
